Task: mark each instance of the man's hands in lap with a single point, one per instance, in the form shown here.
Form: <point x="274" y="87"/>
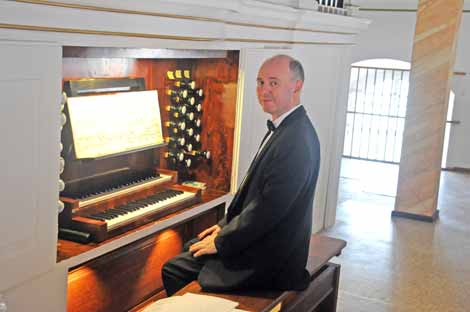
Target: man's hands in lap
<point x="206" y="245"/>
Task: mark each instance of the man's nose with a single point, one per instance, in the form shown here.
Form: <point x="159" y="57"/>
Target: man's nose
<point x="264" y="89"/>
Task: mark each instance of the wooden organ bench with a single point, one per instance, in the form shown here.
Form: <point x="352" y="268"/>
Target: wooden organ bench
<point x="321" y="295"/>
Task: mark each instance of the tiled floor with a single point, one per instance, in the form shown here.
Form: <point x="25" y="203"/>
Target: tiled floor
<point x="399" y="264"/>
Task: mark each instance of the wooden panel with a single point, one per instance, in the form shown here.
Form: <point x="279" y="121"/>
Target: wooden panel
<point x="79" y="68"/>
<point x="218" y="77"/>
<point x="317" y="294"/>
<point x="211" y="218"/>
<point x="125" y="278"/>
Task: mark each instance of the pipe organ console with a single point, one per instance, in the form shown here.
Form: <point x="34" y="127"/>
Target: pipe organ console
<point x="139" y="150"/>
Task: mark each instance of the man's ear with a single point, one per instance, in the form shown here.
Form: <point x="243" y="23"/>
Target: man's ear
<point x="298" y="86"/>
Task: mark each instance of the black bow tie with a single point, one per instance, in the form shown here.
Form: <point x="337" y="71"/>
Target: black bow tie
<point x="271" y="126"/>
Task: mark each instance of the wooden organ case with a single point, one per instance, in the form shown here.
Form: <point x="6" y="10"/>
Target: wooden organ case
<point x="196" y="150"/>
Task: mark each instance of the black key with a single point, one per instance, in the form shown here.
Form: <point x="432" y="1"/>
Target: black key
<point x="125" y="208"/>
<point x="97" y="218"/>
<point x="117" y="212"/>
<point x="133" y="206"/>
<point x="103" y="216"/>
<point x="110" y="215"/>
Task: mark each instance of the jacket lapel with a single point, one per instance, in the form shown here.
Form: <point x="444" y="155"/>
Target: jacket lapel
<point x="285" y="123"/>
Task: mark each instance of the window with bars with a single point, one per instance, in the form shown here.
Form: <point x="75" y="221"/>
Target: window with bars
<point x="332" y="3"/>
<point x="376" y="113"/>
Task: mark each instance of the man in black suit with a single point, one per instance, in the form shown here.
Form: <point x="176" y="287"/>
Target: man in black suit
<point x="263" y="240"/>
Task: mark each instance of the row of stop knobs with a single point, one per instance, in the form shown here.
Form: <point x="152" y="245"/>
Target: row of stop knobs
<point x="184" y="124"/>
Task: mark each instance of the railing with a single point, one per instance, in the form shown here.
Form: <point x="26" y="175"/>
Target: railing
<point x="331" y="3"/>
<point x="339" y="7"/>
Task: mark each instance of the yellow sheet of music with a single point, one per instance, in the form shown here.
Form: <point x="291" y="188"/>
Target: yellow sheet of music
<point x="114" y="123"/>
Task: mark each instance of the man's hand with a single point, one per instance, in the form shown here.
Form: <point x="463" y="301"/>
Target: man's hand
<point x="215" y="229"/>
<point x="205" y="246"/>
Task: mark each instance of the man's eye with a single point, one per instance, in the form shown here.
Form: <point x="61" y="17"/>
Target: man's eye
<point x="260" y="83"/>
<point x="273" y="83"/>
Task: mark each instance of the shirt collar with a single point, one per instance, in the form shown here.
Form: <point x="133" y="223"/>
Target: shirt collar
<point x="278" y="121"/>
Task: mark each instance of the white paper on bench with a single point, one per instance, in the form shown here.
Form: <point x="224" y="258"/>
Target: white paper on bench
<point x="193" y="303"/>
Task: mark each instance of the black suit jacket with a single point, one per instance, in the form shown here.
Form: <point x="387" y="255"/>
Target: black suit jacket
<point x="265" y="235"/>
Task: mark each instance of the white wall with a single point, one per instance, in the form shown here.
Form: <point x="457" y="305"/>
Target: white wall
<point x="391" y="36"/>
<point x="46" y="292"/>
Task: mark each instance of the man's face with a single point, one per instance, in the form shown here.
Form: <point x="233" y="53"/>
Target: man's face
<point x="276" y="87"/>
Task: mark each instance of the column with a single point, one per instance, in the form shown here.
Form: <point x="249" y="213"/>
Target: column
<point x="434" y="47"/>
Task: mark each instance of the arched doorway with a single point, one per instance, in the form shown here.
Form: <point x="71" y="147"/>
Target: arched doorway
<point x="375" y="121"/>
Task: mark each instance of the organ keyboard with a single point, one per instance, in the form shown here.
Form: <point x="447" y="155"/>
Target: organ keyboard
<point x="122" y="205"/>
<point x="127" y="187"/>
<point x="124" y="214"/>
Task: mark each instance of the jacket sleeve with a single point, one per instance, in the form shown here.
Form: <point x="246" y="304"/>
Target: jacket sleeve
<point x="289" y="170"/>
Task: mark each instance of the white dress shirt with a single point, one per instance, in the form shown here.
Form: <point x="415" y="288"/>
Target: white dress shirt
<point x="277" y="123"/>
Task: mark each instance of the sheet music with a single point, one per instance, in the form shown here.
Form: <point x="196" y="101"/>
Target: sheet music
<point x="194" y="303"/>
<point x="114" y="123"/>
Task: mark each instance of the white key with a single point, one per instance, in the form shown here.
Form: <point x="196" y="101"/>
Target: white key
<point x="132" y="216"/>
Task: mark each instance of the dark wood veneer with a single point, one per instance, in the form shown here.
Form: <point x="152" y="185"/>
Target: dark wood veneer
<point x="130" y="275"/>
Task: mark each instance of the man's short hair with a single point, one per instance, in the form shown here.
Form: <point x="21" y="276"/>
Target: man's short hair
<point x="295" y="66"/>
<point x="296" y="69"/>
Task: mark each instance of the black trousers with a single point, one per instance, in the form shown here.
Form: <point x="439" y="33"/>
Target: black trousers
<point x="182" y="269"/>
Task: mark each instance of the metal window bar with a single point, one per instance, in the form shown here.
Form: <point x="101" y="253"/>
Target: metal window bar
<point x="332" y="7"/>
<point x="375" y="115"/>
<point x="331" y="3"/>
<point x="361" y="109"/>
<point x="371" y="117"/>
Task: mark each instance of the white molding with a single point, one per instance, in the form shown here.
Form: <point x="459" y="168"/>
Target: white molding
<point x="243" y="22"/>
<point x="337" y="138"/>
